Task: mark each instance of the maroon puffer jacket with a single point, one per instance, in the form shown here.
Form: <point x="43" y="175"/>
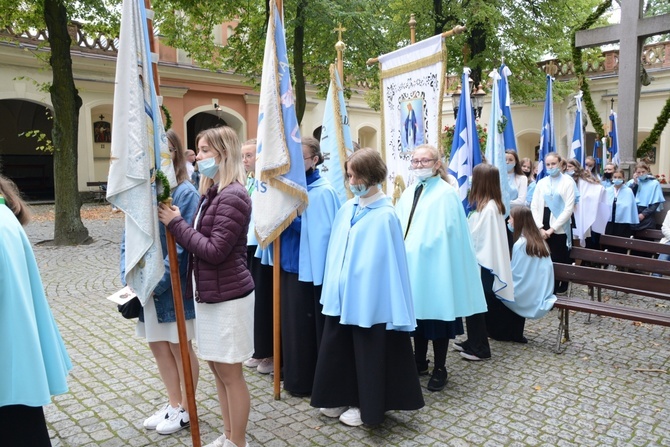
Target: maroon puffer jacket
<point x="218" y="246"/>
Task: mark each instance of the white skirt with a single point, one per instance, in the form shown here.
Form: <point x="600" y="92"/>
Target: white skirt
<point x="154" y="331"/>
<point x="224" y="331"/>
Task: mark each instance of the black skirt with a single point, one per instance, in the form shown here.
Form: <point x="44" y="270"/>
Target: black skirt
<point x="369" y="368"/>
<point x="438" y="329"/>
<point x="22" y="425"/>
<point x="301" y="323"/>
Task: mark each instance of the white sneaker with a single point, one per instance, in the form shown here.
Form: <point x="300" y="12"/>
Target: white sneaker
<point x="176" y="420"/>
<point x="351" y="417"/>
<point x="251" y="363"/>
<point x="152" y="421"/>
<point x="266" y="366"/>
<point x="218" y="442"/>
<point x="229" y="443"/>
<point x="333" y="412"/>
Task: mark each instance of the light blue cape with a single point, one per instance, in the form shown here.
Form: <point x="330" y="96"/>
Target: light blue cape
<point x="626" y="208"/>
<point x="366" y="280"/>
<point x="648" y="193"/>
<point x="443" y="268"/>
<point x="34" y="363"/>
<point x="316" y="224"/>
<point x="533" y="283"/>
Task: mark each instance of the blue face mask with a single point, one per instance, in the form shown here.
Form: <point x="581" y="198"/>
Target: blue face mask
<point x="570" y="173"/>
<point x="643" y="178"/>
<point x="510" y="167"/>
<point x="617" y="181"/>
<point x="510" y="227"/>
<point x="359" y="190"/>
<point x="208" y="167"/>
<point x="553" y="172"/>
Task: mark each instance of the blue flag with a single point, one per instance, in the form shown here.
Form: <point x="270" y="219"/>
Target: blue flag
<point x="495" y="143"/>
<point x="547" y="136"/>
<point x="281" y="189"/>
<point x="596" y="146"/>
<point x="506" y="108"/>
<point x="465" y="150"/>
<point x="336" y="137"/>
<point x="614" y="138"/>
<point x="577" y="149"/>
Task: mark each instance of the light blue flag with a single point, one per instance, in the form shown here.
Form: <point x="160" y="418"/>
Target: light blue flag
<point x="336" y="141"/>
<point x="138" y="149"/>
<point x="577" y="150"/>
<point x="506" y="107"/>
<point x="614" y="139"/>
<point x="547" y="136"/>
<point x="465" y="150"/>
<point x="495" y="143"/>
<point x="281" y="188"/>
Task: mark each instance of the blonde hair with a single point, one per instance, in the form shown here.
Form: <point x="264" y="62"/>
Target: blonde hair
<point x="436" y="155"/>
<point x="224" y="141"/>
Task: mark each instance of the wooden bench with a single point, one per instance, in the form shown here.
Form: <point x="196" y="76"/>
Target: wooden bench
<point x="607" y="279"/>
<point x="634" y="244"/>
<point x="649" y="234"/>
<point x="630" y="262"/>
<point x="101" y="193"/>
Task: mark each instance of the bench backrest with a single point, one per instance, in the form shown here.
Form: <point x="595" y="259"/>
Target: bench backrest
<point x="610" y="279"/>
<point x="650" y="234"/>
<point x="621" y="260"/>
<point x="634" y="244"/>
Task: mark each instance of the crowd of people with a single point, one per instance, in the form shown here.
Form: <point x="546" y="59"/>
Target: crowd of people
<point x="365" y="285"/>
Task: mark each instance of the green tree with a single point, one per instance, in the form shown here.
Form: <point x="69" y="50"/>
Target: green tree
<point x="55" y="16"/>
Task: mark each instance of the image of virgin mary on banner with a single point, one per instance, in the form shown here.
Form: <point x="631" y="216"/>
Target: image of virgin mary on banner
<point x="411" y="103"/>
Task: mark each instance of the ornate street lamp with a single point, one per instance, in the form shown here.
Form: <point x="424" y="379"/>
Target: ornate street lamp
<point x="456" y="100"/>
<point x="478" y="100"/>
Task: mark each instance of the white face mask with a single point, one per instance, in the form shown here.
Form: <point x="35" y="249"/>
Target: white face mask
<point x="423" y="173"/>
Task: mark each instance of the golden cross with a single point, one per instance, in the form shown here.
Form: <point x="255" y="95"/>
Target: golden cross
<point x="339" y="30"/>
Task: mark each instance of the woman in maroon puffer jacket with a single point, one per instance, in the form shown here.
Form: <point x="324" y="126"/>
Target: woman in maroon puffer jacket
<point x="218" y="275"/>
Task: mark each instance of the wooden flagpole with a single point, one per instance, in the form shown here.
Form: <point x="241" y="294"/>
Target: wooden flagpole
<point x="176" y="284"/>
<point x="276" y="296"/>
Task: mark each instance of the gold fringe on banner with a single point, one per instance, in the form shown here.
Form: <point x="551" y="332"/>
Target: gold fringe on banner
<point x="419" y="63"/>
<point x="339" y="130"/>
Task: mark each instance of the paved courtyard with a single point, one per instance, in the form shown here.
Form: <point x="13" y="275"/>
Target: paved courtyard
<point x="604" y="389"/>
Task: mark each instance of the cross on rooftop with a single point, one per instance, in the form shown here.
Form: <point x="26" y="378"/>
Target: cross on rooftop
<point x="630" y="32"/>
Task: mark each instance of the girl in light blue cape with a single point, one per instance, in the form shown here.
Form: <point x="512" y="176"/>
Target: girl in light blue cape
<point x="622" y="209"/>
<point x="33" y="361"/>
<point x="532" y="268"/>
<point x="648" y="196"/>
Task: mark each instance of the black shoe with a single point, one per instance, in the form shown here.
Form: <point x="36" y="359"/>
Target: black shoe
<point x="422" y="367"/>
<point x="460" y="347"/>
<point x="438" y="380"/>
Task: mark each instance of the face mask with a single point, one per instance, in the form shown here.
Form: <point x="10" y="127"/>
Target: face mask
<point x="208" y="167"/>
<point x="359" y="190"/>
<point x="607" y="175"/>
<point x="510" y="227"/>
<point x="617" y="181"/>
<point x="570" y="173"/>
<point x="423" y="173"/>
<point x="589" y="168"/>
<point x="643" y="178"/>
<point x="510" y="167"/>
<point x="553" y="172"/>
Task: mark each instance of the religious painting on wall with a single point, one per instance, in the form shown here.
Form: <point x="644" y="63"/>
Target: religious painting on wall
<point x="102" y="132"/>
<point x="412" y="88"/>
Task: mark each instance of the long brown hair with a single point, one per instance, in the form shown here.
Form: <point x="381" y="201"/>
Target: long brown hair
<point x="486" y="187"/>
<point x="178" y="156"/>
<point x="517" y="163"/>
<point x="10" y="192"/>
<point x="525" y="224"/>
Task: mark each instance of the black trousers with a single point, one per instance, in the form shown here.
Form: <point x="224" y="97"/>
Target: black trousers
<point x="558" y="246"/>
<point x="263" y="330"/>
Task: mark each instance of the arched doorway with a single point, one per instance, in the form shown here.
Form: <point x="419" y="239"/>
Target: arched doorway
<point x="20" y="159"/>
<point x="199" y="122"/>
<point x="367" y="136"/>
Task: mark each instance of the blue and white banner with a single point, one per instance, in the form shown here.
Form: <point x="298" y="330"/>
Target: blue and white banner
<point x="465" y="150"/>
<point x="412" y="89"/>
<point x="336" y="144"/>
<point x="138" y="146"/>
<point x="506" y="107"/>
<point x="577" y="149"/>
<point x="495" y="143"/>
<point x="281" y="189"/>
<point x="614" y="139"/>
<point x="547" y="135"/>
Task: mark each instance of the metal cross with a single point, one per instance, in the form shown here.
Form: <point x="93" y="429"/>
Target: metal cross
<point x="339" y="30"/>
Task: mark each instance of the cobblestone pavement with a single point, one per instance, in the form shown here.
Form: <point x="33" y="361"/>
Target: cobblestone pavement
<point x="591" y="394"/>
